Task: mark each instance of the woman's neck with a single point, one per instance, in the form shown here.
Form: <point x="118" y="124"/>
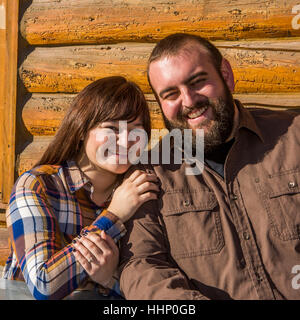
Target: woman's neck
<point x="102" y="180"/>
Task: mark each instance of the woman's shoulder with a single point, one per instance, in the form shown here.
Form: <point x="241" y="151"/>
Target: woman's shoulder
<point x="45" y="169"/>
<point x="36" y="174"/>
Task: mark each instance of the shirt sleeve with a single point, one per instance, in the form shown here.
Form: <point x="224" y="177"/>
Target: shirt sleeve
<point x="110" y="223"/>
<point x="48" y="265"/>
<point x="147" y="271"/>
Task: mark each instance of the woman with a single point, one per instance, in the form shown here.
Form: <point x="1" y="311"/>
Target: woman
<point x="66" y="213"/>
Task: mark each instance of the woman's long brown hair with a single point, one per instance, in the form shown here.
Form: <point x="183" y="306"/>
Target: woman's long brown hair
<point x="107" y="99"/>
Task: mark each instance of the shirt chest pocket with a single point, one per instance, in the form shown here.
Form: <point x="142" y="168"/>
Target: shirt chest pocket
<point x="283" y="205"/>
<point x="193" y="223"/>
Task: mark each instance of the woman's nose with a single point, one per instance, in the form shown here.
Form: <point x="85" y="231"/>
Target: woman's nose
<point x="122" y="140"/>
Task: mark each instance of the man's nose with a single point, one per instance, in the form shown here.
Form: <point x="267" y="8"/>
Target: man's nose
<point x="188" y="97"/>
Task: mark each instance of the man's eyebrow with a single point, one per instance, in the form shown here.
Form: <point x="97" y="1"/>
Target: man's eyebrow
<point x="166" y="90"/>
<point x="191" y="78"/>
<point x="196" y="75"/>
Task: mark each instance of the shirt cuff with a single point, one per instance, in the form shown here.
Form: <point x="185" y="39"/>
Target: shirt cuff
<point x="110" y="223"/>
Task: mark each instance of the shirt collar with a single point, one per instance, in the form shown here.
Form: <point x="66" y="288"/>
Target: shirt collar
<point x="246" y="120"/>
<point x="75" y="178"/>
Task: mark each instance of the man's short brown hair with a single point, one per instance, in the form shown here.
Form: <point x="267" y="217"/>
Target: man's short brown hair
<point x="174" y="43"/>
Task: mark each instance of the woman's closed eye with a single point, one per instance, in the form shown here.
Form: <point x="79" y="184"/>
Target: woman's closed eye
<point x="113" y="128"/>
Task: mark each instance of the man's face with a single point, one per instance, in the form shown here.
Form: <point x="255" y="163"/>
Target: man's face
<point x="193" y="95"/>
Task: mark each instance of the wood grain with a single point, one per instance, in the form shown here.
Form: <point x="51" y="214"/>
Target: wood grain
<point x="35" y="149"/>
<point x="259" y="66"/>
<point x="42" y="113"/>
<point x="4" y="246"/>
<point x="8" y="93"/>
<point x="106" y="21"/>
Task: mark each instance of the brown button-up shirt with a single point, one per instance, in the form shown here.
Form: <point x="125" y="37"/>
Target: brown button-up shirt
<point x="231" y="238"/>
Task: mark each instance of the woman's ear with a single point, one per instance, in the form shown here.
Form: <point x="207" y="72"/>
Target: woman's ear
<point x="227" y="73"/>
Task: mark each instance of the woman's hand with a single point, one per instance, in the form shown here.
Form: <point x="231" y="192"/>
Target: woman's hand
<point x="98" y="255"/>
<point x="135" y="189"/>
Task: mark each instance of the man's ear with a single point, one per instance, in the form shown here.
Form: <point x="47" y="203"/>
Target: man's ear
<point x="227" y="73"/>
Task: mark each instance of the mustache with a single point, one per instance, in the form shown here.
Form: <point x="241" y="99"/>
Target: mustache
<point x="197" y="106"/>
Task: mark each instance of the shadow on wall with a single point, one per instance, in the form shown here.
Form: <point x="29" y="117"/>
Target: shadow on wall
<point x="23" y="136"/>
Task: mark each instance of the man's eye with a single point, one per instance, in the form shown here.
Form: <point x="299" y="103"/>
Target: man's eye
<point x="196" y="82"/>
<point x="171" y="95"/>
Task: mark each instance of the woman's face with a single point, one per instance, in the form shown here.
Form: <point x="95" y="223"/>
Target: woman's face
<point x="115" y="145"/>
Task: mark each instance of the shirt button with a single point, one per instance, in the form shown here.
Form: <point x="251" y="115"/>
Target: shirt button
<point x="186" y="203"/>
<point x="233" y="197"/>
<point x="246" y="235"/>
<point x="242" y="263"/>
<point x="292" y="184"/>
<point x="259" y="277"/>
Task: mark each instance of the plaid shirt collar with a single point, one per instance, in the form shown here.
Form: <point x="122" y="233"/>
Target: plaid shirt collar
<point x="75" y="178"/>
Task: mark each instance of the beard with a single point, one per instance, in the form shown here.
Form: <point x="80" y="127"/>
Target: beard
<point x="218" y="130"/>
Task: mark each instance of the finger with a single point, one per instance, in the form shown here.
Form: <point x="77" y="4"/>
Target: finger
<point x="82" y="260"/>
<point x="134" y="175"/>
<point x="110" y="242"/>
<point x="83" y="248"/>
<point x="90" y="241"/>
<point x="101" y="244"/>
<point x="147" y="186"/>
<point x="148" y="196"/>
<point x="145" y="177"/>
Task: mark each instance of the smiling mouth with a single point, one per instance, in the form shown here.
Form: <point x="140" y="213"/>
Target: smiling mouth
<point x="197" y="113"/>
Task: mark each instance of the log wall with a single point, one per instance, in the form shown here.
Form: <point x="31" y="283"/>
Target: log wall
<point x="71" y="43"/>
<point x="66" y="44"/>
<point x="105" y="21"/>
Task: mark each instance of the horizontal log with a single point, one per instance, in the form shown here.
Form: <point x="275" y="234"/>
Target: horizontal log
<point x="270" y="101"/>
<point x="4" y="246"/>
<point x="3" y="207"/>
<point x="106" y="21"/>
<point x="257" y="66"/>
<point x="43" y="113"/>
<point x="32" y="153"/>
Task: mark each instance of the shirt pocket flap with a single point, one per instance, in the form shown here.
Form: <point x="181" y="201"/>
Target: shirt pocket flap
<point x="176" y="202"/>
<point x="284" y="185"/>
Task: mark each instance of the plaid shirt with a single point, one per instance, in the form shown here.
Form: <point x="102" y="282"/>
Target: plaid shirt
<point x="49" y="206"/>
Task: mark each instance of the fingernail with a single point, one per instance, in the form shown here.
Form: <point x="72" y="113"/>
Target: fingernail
<point x="79" y="236"/>
<point x="74" y="241"/>
<point x="84" y="232"/>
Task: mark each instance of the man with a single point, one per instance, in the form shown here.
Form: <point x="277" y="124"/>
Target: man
<point x="232" y="232"/>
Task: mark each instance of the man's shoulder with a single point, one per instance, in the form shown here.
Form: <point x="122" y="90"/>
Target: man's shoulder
<point x="275" y="115"/>
<point x="276" y="121"/>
